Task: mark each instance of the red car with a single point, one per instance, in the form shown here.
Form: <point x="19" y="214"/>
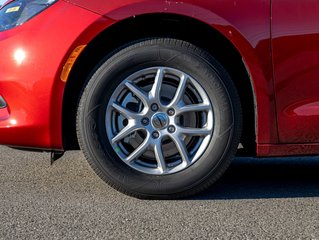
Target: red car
<point x="160" y="94"/>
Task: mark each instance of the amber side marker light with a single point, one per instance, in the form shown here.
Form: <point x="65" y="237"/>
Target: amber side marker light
<point x="70" y="62"/>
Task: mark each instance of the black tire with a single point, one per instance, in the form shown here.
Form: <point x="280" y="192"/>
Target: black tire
<point x="91" y="126"/>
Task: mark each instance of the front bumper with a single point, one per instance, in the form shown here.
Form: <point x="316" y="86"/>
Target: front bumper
<point x="32" y="57"/>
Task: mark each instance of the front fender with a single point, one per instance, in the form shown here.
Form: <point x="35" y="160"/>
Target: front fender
<point x="246" y="24"/>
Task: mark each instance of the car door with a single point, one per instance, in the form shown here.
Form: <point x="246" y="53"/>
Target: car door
<point x="295" y="49"/>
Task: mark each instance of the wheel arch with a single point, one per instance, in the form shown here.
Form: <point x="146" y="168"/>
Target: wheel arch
<point x="216" y="39"/>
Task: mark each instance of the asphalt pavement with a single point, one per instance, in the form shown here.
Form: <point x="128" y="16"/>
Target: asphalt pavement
<point x="256" y="199"/>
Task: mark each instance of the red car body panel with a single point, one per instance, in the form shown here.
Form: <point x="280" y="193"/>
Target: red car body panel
<point x="296" y="52"/>
<point x="34" y="91"/>
<point x="233" y="20"/>
<point x="32" y="88"/>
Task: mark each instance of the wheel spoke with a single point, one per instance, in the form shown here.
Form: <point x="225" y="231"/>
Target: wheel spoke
<point x="138" y="92"/>
<point x="156" y="88"/>
<point x="159" y="156"/>
<point x="180" y="90"/>
<point x="124" y="111"/>
<point x="139" y="151"/>
<point x="193" y="108"/>
<point x="127" y="130"/>
<point x="181" y="149"/>
<point x="194" y="131"/>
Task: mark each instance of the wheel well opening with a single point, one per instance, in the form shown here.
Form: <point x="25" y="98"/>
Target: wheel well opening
<point x="158" y="25"/>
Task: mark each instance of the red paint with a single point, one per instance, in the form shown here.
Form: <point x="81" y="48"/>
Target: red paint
<point x="4" y="114"/>
<point x="34" y="92"/>
<point x="32" y="88"/>
<point x="296" y="53"/>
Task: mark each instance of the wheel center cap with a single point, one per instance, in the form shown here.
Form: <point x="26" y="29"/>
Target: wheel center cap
<point x="160" y="120"/>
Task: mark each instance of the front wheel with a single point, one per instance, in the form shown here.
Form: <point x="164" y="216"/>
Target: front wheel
<point x="159" y="119"/>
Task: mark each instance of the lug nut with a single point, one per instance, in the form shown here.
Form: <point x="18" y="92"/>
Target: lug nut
<point x="171" y="112"/>
<point x="125" y="122"/>
<point x="171" y="129"/>
<point x="145" y="121"/>
<point x="155" y="134"/>
<point x="154" y="107"/>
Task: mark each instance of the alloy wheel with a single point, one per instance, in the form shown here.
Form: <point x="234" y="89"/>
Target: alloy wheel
<point x="159" y="120"/>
